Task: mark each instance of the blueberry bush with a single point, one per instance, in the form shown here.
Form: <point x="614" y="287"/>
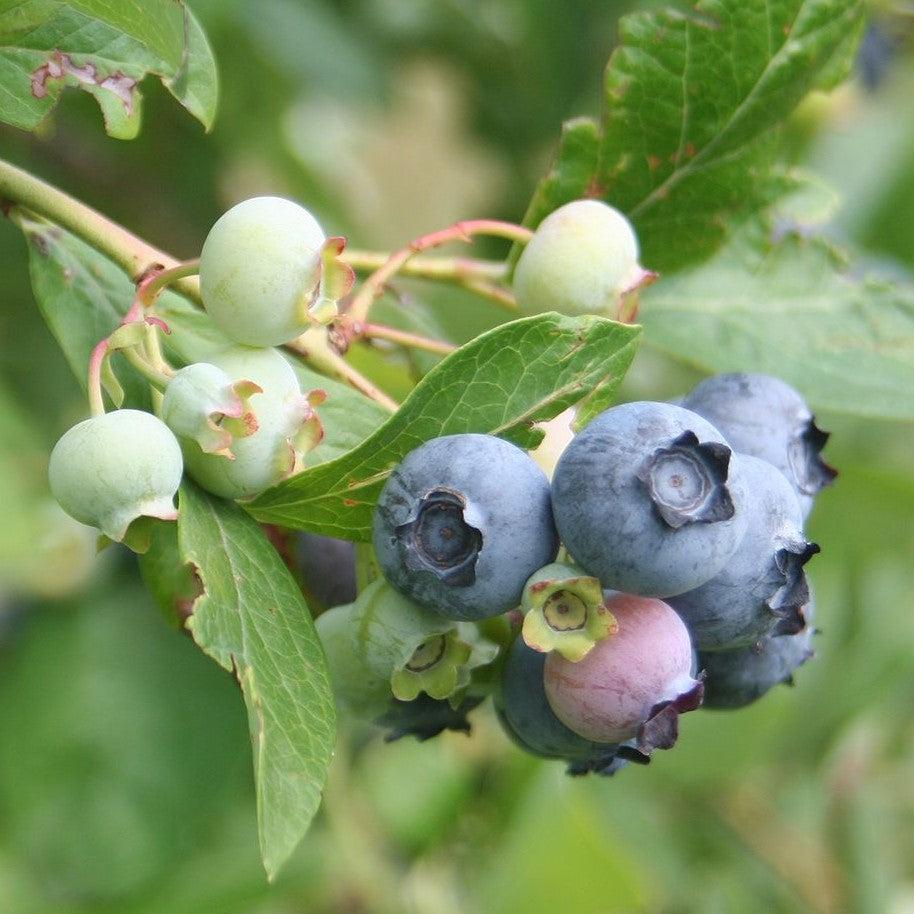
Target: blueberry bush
<point x="438" y="423"/>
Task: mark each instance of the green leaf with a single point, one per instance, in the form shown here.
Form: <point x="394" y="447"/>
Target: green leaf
<point x="106" y="48"/>
<point x="252" y="619"/>
<point x="173" y="584"/>
<point x="196" y="82"/>
<point x="83" y="296"/>
<point x="501" y="383"/>
<point x="790" y="308"/>
<point x="691" y="103"/>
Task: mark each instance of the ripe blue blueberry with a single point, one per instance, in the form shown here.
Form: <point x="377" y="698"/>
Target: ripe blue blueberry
<point x="766" y="418"/>
<point x="462" y="523"/>
<point x="527" y="718"/>
<point x="734" y="679"/>
<point x="646" y="499"/>
<point x="762" y="589"/>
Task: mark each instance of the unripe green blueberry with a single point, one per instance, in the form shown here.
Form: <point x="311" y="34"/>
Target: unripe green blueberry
<point x="109" y="470"/>
<point x="203" y="403"/>
<point x="287" y="427"/>
<point x="384" y="646"/>
<point x="582" y="259"/>
<point x="260" y="269"/>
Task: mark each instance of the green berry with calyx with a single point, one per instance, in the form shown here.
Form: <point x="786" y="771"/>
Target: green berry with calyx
<point x="204" y="404"/>
<point x="267" y="272"/>
<point x="112" y="469"/>
<point x="384" y="646"/>
<point x="287" y="427"/>
<point x="582" y="259"/>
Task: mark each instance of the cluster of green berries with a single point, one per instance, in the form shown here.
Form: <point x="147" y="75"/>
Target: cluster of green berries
<point x="238" y="422"/>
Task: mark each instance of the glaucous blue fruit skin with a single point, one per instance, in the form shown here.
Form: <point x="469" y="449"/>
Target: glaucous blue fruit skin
<point x="109" y="470"/>
<point x="259" y="268"/>
<point x="632" y="685"/>
<point x="527" y="717"/>
<point x="268" y="455"/>
<point x="764" y="417"/>
<point x="327" y="566"/>
<point x="580" y="260"/>
<point x="762" y="587"/>
<point x="646" y="499"/>
<point x="462" y="523"/>
<point x="734" y="679"/>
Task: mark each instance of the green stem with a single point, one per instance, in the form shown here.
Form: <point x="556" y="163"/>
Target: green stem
<point x="446" y="269"/>
<point x="133" y="255"/>
<point x="315" y="348"/>
<point x="94" y="382"/>
<point x="153" y="347"/>
<point x="155" y="377"/>
<point x="161" y="279"/>
<point x="400" y="337"/>
<point x="373" y="287"/>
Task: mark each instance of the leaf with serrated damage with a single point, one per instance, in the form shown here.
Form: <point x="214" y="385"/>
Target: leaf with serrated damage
<point x="252" y="619"/>
<point x="105" y="48"/>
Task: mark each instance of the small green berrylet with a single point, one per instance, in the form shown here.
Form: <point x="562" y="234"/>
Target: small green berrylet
<point x="582" y="259"/>
<point x="287" y="427"/>
<point x="565" y="612"/>
<point x="267" y="271"/>
<point x="112" y="469"/>
<point x="384" y="647"/>
<point x="202" y="403"/>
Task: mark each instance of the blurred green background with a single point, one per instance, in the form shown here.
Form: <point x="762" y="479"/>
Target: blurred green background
<point x="125" y="773"/>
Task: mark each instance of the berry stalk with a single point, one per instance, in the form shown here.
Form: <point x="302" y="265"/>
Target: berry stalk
<point x="350" y="330"/>
<point x="373" y="287"/>
<point x="133" y="255"/>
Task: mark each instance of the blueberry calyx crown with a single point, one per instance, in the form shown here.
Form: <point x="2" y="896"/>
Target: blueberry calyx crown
<point x="565" y="612"/>
<point x="789" y="600"/>
<point x="438" y="539"/>
<point x="687" y="481"/>
<point x="811" y="472"/>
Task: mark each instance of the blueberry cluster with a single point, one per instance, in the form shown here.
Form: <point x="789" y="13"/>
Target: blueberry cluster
<point x="663" y="565"/>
